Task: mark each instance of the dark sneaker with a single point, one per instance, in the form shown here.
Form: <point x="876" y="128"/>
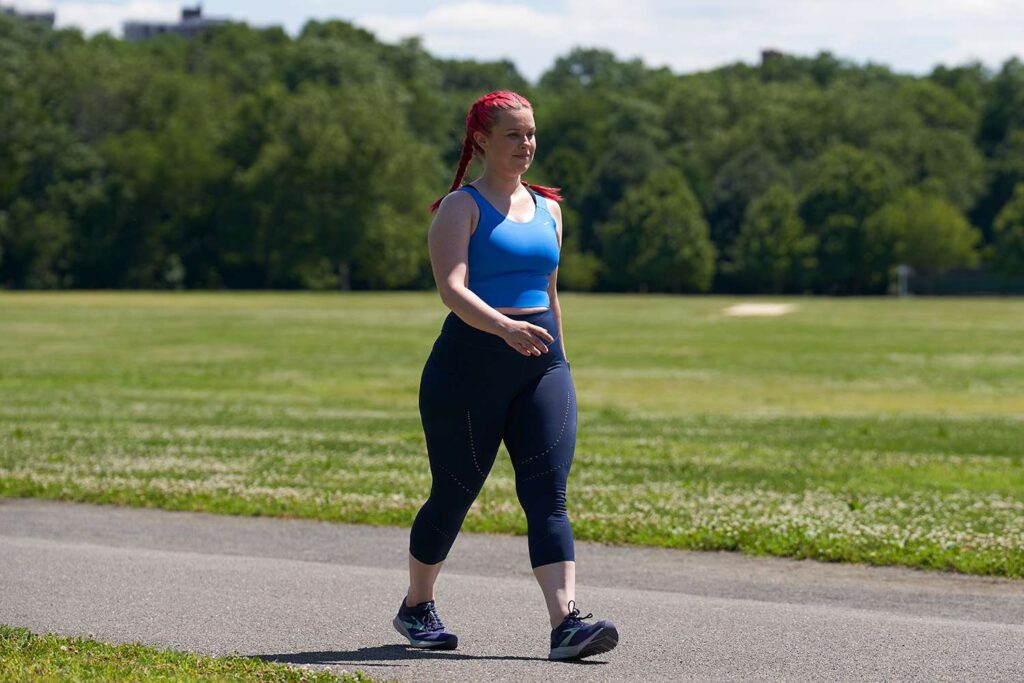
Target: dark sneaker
<point x="574" y="640"/>
<point x="423" y="628"/>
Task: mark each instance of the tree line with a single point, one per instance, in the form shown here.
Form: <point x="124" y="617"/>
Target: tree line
<point x="246" y="158"/>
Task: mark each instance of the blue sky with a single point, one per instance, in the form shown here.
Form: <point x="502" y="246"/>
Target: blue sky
<point x="908" y="35"/>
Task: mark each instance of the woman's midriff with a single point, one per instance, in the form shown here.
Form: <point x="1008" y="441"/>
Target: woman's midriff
<point x="535" y="309"/>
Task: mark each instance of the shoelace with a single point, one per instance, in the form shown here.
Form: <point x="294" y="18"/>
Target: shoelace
<point x="430" y="618"/>
<point x="574" y="614"/>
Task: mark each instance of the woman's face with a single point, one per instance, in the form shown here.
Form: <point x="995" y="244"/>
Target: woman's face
<point x="510" y="146"/>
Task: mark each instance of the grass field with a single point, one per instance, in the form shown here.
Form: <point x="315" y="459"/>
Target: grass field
<point x="881" y="431"/>
<point x="27" y="656"/>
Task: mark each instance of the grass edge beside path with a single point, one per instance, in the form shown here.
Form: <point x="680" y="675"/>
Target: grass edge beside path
<point x="794" y="547"/>
<point x="25" y="655"/>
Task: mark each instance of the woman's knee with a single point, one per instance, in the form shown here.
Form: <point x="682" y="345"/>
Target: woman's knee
<point x="544" y="505"/>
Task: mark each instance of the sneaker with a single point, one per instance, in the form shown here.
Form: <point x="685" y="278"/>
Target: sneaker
<point x="574" y="640"/>
<point x="423" y="628"/>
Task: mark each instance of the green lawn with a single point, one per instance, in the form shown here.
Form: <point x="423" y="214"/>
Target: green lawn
<point x="26" y="656"/>
<point x="869" y="430"/>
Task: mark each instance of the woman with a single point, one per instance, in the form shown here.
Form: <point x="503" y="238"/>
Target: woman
<point x="498" y="371"/>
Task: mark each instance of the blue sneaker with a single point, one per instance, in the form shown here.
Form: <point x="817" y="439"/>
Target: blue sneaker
<point x="423" y="628"/>
<point x="574" y="640"/>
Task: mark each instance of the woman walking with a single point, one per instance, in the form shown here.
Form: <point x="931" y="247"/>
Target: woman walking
<point x="497" y="371"/>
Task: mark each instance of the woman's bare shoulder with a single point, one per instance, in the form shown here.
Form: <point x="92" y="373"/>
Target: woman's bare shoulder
<point x="555" y="209"/>
<point x="457" y="208"/>
<point x="457" y="201"/>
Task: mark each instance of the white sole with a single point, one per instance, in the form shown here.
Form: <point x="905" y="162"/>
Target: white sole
<point x="397" y="623"/>
<point x="604" y="640"/>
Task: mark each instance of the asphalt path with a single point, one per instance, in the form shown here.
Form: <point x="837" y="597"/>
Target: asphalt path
<point x="321" y="594"/>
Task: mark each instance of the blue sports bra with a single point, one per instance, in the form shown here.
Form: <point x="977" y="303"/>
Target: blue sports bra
<point x="510" y="262"/>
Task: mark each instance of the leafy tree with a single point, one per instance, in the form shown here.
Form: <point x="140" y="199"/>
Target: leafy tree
<point x="577" y="270"/>
<point x="848" y="181"/>
<point x="43" y="189"/>
<point x="466" y="75"/>
<point x="159" y="190"/>
<point x="338" y="180"/>
<point x="746" y="176"/>
<point x="35" y="246"/>
<point x="564" y="167"/>
<point x="822" y="70"/>
<point x="1005" y="170"/>
<point x="772" y="252"/>
<point x="1008" y="256"/>
<point x="239" y="56"/>
<point x="944" y="160"/>
<point x="656" y="238"/>
<point x="332" y="62"/>
<point x="626" y="163"/>
<point x="924" y="231"/>
<point x="593" y="68"/>
<point x="938" y="107"/>
<point x="3" y="238"/>
<point x="826" y="68"/>
<point x="845" y="185"/>
<point x="967" y="82"/>
<point x="341" y="31"/>
<point x="1004" y="109"/>
<point x="695" y="111"/>
<point x="576" y="127"/>
<point x="639" y="117"/>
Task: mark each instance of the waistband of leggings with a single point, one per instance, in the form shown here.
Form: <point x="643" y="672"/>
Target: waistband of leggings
<point x="457" y="327"/>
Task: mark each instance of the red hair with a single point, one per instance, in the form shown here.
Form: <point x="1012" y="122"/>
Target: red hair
<point x="481" y="118"/>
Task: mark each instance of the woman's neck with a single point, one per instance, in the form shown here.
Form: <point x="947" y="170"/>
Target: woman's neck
<point x="498" y="184"/>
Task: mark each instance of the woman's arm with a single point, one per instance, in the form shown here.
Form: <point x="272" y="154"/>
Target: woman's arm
<point x="556" y="212"/>
<point x="448" y="242"/>
<point x="553" y="295"/>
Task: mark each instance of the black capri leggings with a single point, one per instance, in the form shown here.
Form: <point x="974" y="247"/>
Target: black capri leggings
<point x="476" y="390"/>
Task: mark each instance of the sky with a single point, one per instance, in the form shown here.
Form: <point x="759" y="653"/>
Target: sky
<point x="910" y="36"/>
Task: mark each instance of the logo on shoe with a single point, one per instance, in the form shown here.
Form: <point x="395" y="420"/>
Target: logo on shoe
<point x="415" y="624"/>
<point x="571" y="632"/>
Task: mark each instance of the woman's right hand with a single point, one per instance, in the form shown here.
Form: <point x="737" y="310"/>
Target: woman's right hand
<point x="526" y="338"/>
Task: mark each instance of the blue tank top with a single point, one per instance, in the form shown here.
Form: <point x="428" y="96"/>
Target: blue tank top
<point x="510" y="262"/>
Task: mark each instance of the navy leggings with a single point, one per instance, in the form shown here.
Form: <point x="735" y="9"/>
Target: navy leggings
<point x="475" y="391"/>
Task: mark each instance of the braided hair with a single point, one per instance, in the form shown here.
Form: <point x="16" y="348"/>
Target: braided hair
<point x="481" y="118"/>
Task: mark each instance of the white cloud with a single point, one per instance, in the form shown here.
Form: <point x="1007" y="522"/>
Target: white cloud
<point x="477" y="29"/>
<point x="908" y="35"/>
<point x="469" y="16"/>
<point x="531" y="38"/>
<point x="31" y="5"/>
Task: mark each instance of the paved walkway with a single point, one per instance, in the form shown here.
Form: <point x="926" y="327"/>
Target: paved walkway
<point x="324" y="594"/>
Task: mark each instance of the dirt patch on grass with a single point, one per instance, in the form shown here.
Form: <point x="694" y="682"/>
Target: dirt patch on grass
<point x="759" y="309"/>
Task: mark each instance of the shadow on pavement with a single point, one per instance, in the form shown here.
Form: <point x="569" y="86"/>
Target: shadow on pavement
<point x="389" y="653"/>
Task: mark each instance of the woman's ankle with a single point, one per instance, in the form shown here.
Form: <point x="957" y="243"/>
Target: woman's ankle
<point x="412" y="599"/>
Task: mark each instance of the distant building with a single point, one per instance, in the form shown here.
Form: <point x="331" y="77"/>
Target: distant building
<point x="769" y="54"/>
<point x="44" y="17"/>
<point x="192" y="23"/>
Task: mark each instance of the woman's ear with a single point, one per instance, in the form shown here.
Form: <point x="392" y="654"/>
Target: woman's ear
<point x="481" y="139"/>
